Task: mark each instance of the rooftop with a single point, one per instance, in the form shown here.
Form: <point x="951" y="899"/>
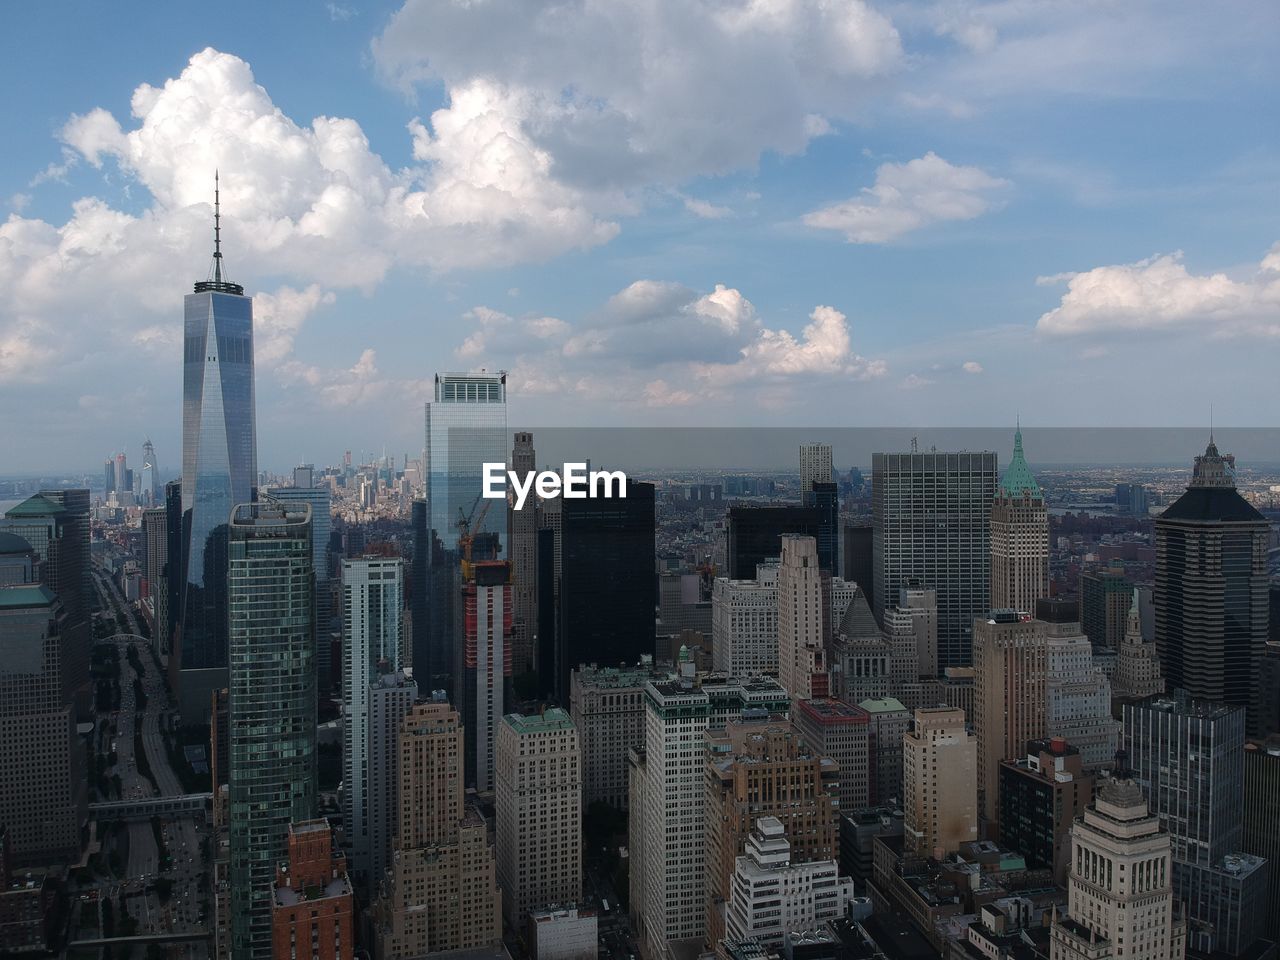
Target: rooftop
<point x="26" y="595"/>
<point x="547" y="722"/>
<point x="882" y="705"/>
<point x="1018" y="480"/>
<point x="34" y="506"/>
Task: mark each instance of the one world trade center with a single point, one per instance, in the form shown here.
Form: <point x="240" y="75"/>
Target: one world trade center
<point x="219" y="470"/>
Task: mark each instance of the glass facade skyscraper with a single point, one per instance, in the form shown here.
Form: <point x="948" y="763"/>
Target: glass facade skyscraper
<point x="466" y="428"/>
<point x="272" y="705"/>
<point x="219" y="470"/>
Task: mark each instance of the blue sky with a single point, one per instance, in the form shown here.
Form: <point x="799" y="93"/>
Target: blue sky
<point x="722" y="212"/>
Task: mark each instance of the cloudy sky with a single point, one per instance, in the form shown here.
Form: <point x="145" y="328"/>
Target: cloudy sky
<point x="702" y="212"/>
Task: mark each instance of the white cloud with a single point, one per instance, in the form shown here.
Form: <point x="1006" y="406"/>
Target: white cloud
<point x="627" y="94"/>
<point x="913" y="381"/>
<point x="277" y="318"/>
<point x="659" y="393"/>
<point x="909" y="196"/>
<point x="972" y="366"/>
<point x="705" y="210"/>
<point x="514" y="335"/>
<point x="311" y="203"/>
<point x="1159" y="293"/>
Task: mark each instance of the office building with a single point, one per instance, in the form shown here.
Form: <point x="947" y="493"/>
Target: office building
<point x="155" y="548"/>
<point x="1211" y="591"/>
<point x="914" y="616"/>
<point x="1188" y="756"/>
<point x="372" y="601"/>
<point x="466" y="427"/>
<point x="1010" y="669"/>
<point x="486" y="662"/>
<point x="815" y="467"/>
<point x="888" y="722"/>
<point x="522" y="535"/>
<point x="759" y="766"/>
<point x="1077" y="692"/>
<point x="668" y="870"/>
<point x="1121" y="902"/>
<point x="755" y="536"/>
<point x="1261" y="815"/>
<point x="149" y="479"/>
<point x="563" y="933"/>
<point x="607" y="581"/>
<point x="313" y="909"/>
<point x="1019" y="537"/>
<point x="319" y="499"/>
<point x="1041" y="795"/>
<point x="219" y="471"/>
<point x="802" y="666"/>
<point x="436" y="584"/>
<point x="607" y="706"/>
<point x="539" y="812"/>
<point x="857" y="556"/>
<point x="1137" y="672"/>
<point x="932" y="515"/>
<point x="773" y="896"/>
<point x="841" y="731"/>
<point x="441" y="892"/>
<point x="42" y="791"/>
<point x="1105" y="593"/>
<point x="271" y="707"/>
<point x="939" y="783"/>
<point x="390" y="697"/>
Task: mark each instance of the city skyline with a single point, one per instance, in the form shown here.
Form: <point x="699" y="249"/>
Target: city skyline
<point x="876" y="223"/>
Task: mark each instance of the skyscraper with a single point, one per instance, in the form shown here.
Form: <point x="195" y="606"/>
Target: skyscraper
<point x="272" y="707"/>
<point x="932" y="515"/>
<point x="801" y="657"/>
<point x="372" y="603"/>
<point x="939" y="783"/>
<point x="1010" y="668"/>
<point x="466" y="428"/>
<point x="1078" y="693"/>
<point x="219" y="470"/>
<point x="1137" y="674"/>
<point x="390" y="698"/>
<point x="522" y="536"/>
<point x="1121" y="901"/>
<point x="150" y="480"/>
<point x="1019" y="538"/>
<point x="744" y="623"/>
<point x="321" y="524"/>
<point x="434" y="586"/>
<point x="815" y="467"/>
<point x="486" y="662"/>
<point x="155" y="539"/>
<point x="1261" y="814"/>
<point x="755" y="536"/>
<point x="1211" y="588"/>
<point x="538" y="806"/>
<point x="1188" y="755"/>
<point x="608" y="581"/>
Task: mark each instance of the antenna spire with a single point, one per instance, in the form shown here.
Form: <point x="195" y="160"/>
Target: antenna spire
<point x="217" y="231"/>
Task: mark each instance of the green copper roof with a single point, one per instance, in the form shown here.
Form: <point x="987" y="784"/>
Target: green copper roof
<point x="1018" y="478"/>
<point x="34" y="506"/>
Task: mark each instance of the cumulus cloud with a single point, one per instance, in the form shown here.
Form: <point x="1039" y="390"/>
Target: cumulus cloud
<point x="311" y="202"/>
<point x="1160" y="293"/>
<point x="972" y="366"/>
<point x="664" y="344"/>
<point x="909" y="196"/>
<point x="625" y="94"/>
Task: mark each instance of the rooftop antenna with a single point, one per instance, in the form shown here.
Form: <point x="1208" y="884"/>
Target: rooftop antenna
<point x="915" y="444"/>
<point x="1211" y="423"/>
<point x="217" y="231"/>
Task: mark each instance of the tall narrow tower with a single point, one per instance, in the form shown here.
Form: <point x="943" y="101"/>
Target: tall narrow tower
<point x="522" y="535"/>
<point x="1019" y="538"/>
<point x="801" y="658"/>
<point x="219" y="469"/>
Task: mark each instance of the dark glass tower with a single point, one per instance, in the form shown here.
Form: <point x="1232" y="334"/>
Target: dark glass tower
<point x="1211" y="588"/>
<point x="755" y="534"/>
<point x="219" y="470"/>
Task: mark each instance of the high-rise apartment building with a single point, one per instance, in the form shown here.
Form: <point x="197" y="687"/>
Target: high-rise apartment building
<point x="219" y="471"/>
<point x="801" y="650"/>
<point x="1121" y="902"/>
<point x="486" y="662"/>
<point x="669" y="870"/>
<point x="774" y="893"/>
<point x="313" y="907"/>
<point x="522" y="536"/>
<point x="841" y="731"/>
<point x="42" y="791"/>
<point x="1041" y="795"/>
<point x="441" y="890"/>
<point x="759" y="766"/>
<point x="271" y="708"/>
<point x="1188" y="755"/>
<point x="466" y="427"/>
<point x="1211" y="588"/>
<point x="815" y="467"/>
<point x="607" y="706"/>
<point x="607" y="581"/>
<point x="372" y="603"/>
<point x="319" y="498"/>
<point x="939" y="783"/>
<point x="1010" y="669"/>
<point x="539" y="812"/>
<point x="1019" y="537"/>
<point x="1137" y="673"/>
<point x="932" y="515"/>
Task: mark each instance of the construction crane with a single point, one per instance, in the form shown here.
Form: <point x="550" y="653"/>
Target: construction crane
<point x="468" y="523"/>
